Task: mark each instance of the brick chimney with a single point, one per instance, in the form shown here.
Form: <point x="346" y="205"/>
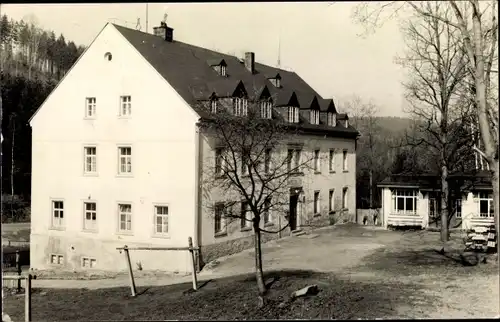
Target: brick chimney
<point x="164" y="32"/>
<point x="250" y="61"/>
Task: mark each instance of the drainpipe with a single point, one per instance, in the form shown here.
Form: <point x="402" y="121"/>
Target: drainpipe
<point x="198" y="198"/>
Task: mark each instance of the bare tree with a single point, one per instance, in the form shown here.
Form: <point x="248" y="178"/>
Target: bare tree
<point x="254" y="165"/>
<point x="477" y="26"/>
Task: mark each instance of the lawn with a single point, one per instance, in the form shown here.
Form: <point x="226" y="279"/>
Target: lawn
<point x="403" y="279"/>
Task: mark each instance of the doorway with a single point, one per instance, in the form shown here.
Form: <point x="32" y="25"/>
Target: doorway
<point x="292" y="219"/>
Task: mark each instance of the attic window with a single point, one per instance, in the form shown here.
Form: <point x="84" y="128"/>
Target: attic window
<point x="346" y="123"/>
<point x="240" y="106"/>
<point x="213" y="105"/>
<point x="108" y="56"/>
<point x="314" y="117"/>
<point x="276" y="81"/>
<point x="220" y="69"/>
<point x="332" y="119"/>
<point x="293" y="114"/>
<point x="266" y="109"/>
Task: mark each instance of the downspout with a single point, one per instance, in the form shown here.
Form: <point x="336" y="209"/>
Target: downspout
<point x="198" y="198"/>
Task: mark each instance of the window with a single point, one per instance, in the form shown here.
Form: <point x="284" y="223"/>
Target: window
<point x="266" y="110"/>
<point x="346" y="123"/>
<point x="56" y="259"/>
<point x="220" y="219"/>
<point x="240" y="106"/>
<point x="125" y="105"/>
<point x="314" y="117"/>
<point x="161" y="219"/>
<point x="458" y="208"/>
<point x="125" y="160"/>
<point x="246" y="215"/>
<point x="90" y="107"/>
<point x="223" y="70"/>
<point x="125" y="217"/>
<point x="267" y="211"/>
<point x="108" y="56"/>
<point x="293" y="160"/>
<point x="316" y="161"/>
<point x="344" y="198"/>
<point x="275" y="81"/>
<point x="331" y="161"/>
<point x="331" y="119"/>
<point x="90" y="159"/>
<point x="331" y="200"/>
<point x="485" y="204"/>
<point x="245" y="166"/>
<point x="90" y="216"/>
<point x="405" y="202"/>
<point x="293" y="114"/>
<point x="213" y="106"/>
<point x="88" y="262"/>
<point x="316" y="202"/>
<point x="344" y="160"/>
<point x="57" y="214"/>
<point x="220" y="162"/>
<point x="267" y="160"/>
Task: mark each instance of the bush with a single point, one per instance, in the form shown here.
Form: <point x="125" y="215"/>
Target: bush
<point x="15" y="209"/>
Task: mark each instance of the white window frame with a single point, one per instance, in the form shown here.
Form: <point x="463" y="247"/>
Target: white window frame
<point x="293" y="114"/>
<point x="57" y="214"/>
<point x="345" y="197"/>
<point x="317" y="163"/>
<point x="247" y="214"/>
<point x="345" y="156"/>
<point x="213" y="106"/>
<point x="165" y="222"/>
<point x="89" y="159"/>
<point x="125" y="106"/>
<point x="331" y="199"/>
<point x="331" y="160"/>
<point x="488" y="198"/>
<point x="240" y="106"/>
<point x="266" y="109"/>
<point x="90" y="107"/>
<point x="56" y="259"/>
<point x="331" y="119"/>
<point x="89" y="224"/>
<point x="317" y="202"/>
<point x="314" y="115"/>
<point x="222" y="70"/>
<point x="276" y="81"/>
<point x="124" y="160"/>
<point x="405" y="194"/>
<point x="220" y="212"/>
<point x="128" y="218"/>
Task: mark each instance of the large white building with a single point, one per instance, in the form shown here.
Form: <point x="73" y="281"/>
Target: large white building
<point x="117" y="151"/>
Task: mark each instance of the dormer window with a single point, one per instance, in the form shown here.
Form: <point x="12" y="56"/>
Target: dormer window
<point x="240" y="106"/>
<point x="314" y="117"/>
<point x="266" y="109"/>
<point x="223" y="70"/>
<point x="293" y="114"/>
<point x="332" y="119"/>
<point x="346" y="123"/>
<point x="219" y="65"/>
<point x="213" y="106"/>
<point x="276" y="81"/>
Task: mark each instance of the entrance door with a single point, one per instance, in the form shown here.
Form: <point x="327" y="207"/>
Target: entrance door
<point x="294" y="200"/>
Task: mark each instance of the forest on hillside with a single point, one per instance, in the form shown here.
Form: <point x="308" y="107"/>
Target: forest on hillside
<point x="32" y="61"/>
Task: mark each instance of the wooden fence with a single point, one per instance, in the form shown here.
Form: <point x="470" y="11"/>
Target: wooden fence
<point x="27" y="291"/>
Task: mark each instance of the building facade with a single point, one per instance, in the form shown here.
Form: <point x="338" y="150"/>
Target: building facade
<point x="117" y="151"/>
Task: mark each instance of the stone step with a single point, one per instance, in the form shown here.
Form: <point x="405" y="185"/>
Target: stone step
<point x="298" y="233"/>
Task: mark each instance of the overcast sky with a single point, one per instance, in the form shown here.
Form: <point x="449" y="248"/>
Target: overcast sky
<point x="318" y="41"/>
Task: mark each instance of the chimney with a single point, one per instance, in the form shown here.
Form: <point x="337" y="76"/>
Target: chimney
<point x="250" y="61"/>
<point x="164" y="32"/>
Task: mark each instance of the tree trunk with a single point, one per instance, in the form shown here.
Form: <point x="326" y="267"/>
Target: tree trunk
<point x="444" y="204"/>
<point x="371" y="189"/>
<point x="12" y="167"/>
<point x="258" y="259"/>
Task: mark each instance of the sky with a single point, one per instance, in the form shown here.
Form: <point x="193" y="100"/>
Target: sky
<point x="319" y="41"/>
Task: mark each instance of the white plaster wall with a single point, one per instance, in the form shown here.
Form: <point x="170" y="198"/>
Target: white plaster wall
<point x="161" y="132"/>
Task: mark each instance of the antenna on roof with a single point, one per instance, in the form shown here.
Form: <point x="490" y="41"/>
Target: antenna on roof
<point x="138" y="25"/>
<point x="279" y="51"/>
<point x="146" y="17"/>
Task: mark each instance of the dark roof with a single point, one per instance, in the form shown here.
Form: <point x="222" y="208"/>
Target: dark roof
<point x="188" y="69"/>
<point x="472" y="180"/>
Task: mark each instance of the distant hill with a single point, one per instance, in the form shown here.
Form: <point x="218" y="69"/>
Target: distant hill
<point x="391" y="125"/>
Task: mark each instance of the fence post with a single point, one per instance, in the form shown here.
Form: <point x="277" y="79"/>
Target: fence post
<point x="18" y="267"/>
<point x="193" y="262"/>
<point x="130" y="273"/>
<point x="27" y="299"/>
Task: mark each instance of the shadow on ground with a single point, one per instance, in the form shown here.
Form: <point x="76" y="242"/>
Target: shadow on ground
<point x="227" y="299"/>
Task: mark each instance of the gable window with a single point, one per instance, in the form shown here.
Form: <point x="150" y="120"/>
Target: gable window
<point x="331" y="161"/>
<point x="220" y="218"/>
<point x="125" y="105"/>
<point x="275" y="81"/>
<point x="331" y="119"/>
<point x="458" y="208"/>
<point x="267" y="160"/>
<point x="223" y="70"/>
<point x="90" y="219"/>
<point x="314" y="116"/>
<point x="90" y="160"/>
<point x="125" y="217"/>
<point x="316" y="202"/>
<point x="213" y="105"/>
<point x="346" y="123"/>
<point x="331" y="199"/>
<point x="316" y="161"/>
<point x="293" y="114"/>
<point x="344" y="160"/>
<point x="240" y="106"/>
<point x="125" y="160"/>
<point x="293" y="160"/>
<point x="246" y="215"/>
<point x="405" y="201"/>
<point x="90" y="107"/>
<point x="344" y="198"/>
<point x="161" y="219"/>
<point x="266" y="110"/>
<point x="485" y="204"/>
<point x="267" y="211"/>
<point x="57" y="214"/>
